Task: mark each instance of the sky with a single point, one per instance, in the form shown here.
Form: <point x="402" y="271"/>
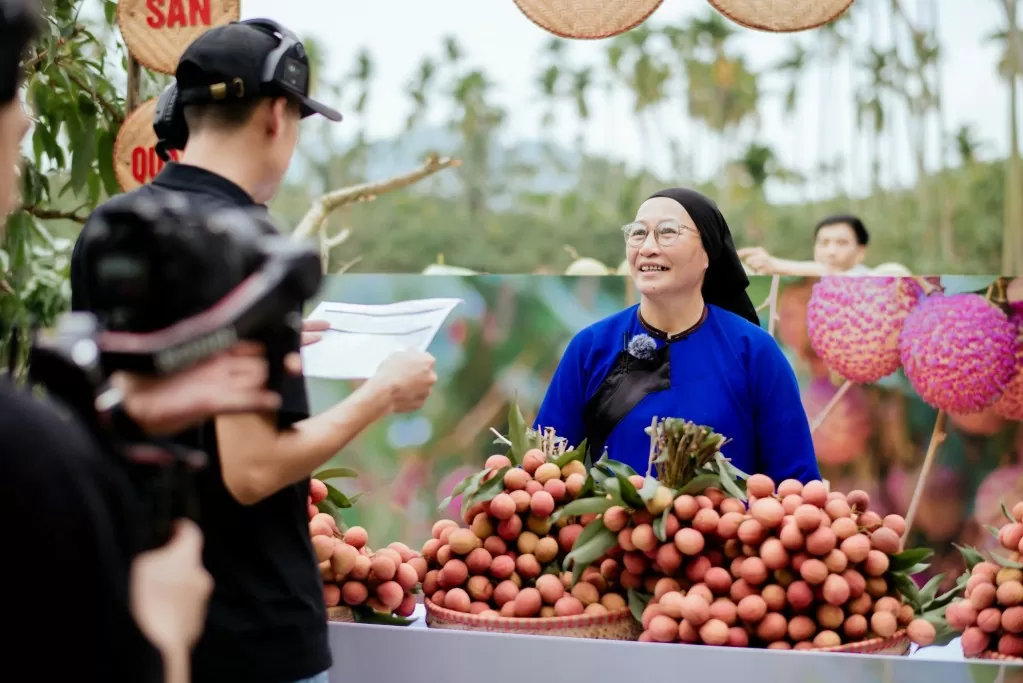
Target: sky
<point x="507" y="46"/>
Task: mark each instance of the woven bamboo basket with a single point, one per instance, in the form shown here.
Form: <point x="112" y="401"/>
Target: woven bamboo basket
<point x="998" y="657"/>
<point x="617" y="625"/>
<point x="587" y="19"/>
<point x="897" y="644"/>
<point x="781" y="17"/>
<point x="340" y="613"/>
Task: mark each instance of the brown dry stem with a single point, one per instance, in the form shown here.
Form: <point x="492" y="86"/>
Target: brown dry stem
<point x="314" y="219"/>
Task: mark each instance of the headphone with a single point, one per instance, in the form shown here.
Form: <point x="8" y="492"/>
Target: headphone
<point x="285" y="68"/>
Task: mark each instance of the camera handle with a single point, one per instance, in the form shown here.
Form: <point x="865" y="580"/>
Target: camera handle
<point x="67" y="368"/>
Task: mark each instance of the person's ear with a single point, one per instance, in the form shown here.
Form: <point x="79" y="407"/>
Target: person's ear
<point x="278" y="118"/>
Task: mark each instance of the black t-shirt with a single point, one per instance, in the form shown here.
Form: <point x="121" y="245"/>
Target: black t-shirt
<point x="67" y="515"/>
<point x="267" y="620"/>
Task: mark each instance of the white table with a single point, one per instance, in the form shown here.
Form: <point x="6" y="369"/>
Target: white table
<point x="389" y="654"/>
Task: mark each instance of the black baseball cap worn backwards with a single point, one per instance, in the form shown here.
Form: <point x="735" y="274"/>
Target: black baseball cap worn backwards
<point x="244" y="60"/>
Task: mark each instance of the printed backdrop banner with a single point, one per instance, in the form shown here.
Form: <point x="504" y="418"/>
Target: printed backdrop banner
<point x="504" y="342"/>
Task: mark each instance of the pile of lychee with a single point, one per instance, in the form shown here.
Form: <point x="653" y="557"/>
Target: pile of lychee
<point x="801" y="568"/>
<point x="990" y="615"/>
<point x="507" y="563"/>
<point x="353" y="574"/>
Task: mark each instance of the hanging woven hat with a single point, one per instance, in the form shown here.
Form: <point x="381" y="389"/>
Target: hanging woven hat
<point x="781" y="16"/>
<point x="587" y="19"/>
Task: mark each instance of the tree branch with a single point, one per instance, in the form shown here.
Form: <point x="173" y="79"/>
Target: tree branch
<point x="366" y="192"/>
<point x="50" y="214"/>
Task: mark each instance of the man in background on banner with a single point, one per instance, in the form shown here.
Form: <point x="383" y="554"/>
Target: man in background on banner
<point x="839" y="248"/>
<point x="244" y="88"/>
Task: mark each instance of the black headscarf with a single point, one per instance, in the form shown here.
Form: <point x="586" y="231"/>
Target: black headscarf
<point x="725" y="282"/>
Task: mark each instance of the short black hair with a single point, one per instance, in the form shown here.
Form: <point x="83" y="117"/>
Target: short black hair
<point x="20" y="25"/>
<point x="225" y="116"/>
<point x="862" y="236"/>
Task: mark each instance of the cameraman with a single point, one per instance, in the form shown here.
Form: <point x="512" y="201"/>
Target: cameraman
<point x="66" y="509"/>
<point x="267" y="620"/>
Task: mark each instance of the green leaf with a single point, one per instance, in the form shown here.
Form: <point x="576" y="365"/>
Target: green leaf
<point x="659" y="523"/>
<point x="364" y="614"/>
<point x="110" y="11"/>
<point x="909" y="558"/>
<point x="598" y="475"/>
<point x="1008" y="515"/>
<point x="589" y="487"/>
<point x="83" y="148"/>
<point x="1006" y="562"/>
<point x="337" y="498"/>
<point x="629" y="493"/>
<point x="336" y="473"/>
<point x="649" y="490"/>
<point x="517" y="434"/>
<point x="993" y="530"/>
<point x="970" y="556"/>
<point x="572" y="455"/>
<point x="730" y="487"/>
<point x="699" y="484"/>
<point x="945" y="599"/>
<point x="616" y="468"/>
<point x="105" y="161"/>
<point x="329" y="508"/>
<point x="469" y="484"/>
<point x="582" y="506"/>
<point x="959" y="284"/>
<point x="907" y="587"/>
<point x="929" y="590"/>
<point x="486" y="491"/>
<point x="588" y="532"/>
<point x="584" y="555"/>
<point x="638" y="603"/>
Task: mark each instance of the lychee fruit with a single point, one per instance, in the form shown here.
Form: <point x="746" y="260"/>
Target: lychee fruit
<point x="1010" y="404"/>
<point x="855" y="323"/>
<point x="958" y="352"/>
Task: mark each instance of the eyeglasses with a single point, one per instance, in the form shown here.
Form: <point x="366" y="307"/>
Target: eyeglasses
<point x="666" y="233"/>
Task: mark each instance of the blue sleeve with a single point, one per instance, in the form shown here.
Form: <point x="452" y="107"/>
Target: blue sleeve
<point x="562" y="407"/>
<point x="784" y="446"/>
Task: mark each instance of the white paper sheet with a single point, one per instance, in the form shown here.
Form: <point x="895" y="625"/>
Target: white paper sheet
<point x="361" y="336"/>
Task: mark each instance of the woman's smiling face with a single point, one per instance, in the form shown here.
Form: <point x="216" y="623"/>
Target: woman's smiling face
<point x="664" y="249"/>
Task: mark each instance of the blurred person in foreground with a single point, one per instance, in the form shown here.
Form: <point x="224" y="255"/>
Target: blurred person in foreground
<point x="73" y="575"/>
<point x="839" y="248"/>
<point x="691" y="349"/>
<point x="267" y="619"/>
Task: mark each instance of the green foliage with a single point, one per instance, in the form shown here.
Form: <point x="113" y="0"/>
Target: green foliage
<point x="77" y="111"/>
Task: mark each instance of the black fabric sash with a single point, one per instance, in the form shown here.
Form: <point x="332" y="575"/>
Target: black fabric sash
<point x="629" y="380"/>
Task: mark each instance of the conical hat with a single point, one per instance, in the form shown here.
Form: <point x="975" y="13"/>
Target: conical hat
<point x="781" y="16"/>
<point x="587" y="19"/>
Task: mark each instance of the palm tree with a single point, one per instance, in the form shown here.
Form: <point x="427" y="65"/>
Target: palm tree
<point x="723" y="91"/>
<point x="966" y="145"/>
<point x="792" y="67"/>
<point x="1010" y="67"/>
<point x="831" y="41"/>
<point x="645" y="75"/>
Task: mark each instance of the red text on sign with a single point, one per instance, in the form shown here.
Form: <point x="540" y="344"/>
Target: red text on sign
<point x="179" y="14"/>
<point x="146" y="163"/>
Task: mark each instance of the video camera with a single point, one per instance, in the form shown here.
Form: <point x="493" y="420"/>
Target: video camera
<point x="176" y="287"/>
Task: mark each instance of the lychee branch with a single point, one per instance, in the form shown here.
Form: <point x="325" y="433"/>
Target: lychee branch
<point x="937" y="437"/>
<point x="818" y="420"/>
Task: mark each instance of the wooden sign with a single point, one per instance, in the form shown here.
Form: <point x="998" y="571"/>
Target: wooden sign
<point x="587" y="19"/>
<point x="781" y="17"/>
<point x="135" y="159"/>
<point x="158" y="31"/>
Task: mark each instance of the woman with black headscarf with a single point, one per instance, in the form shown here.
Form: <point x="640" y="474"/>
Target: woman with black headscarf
<point x="692" y="348"/>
